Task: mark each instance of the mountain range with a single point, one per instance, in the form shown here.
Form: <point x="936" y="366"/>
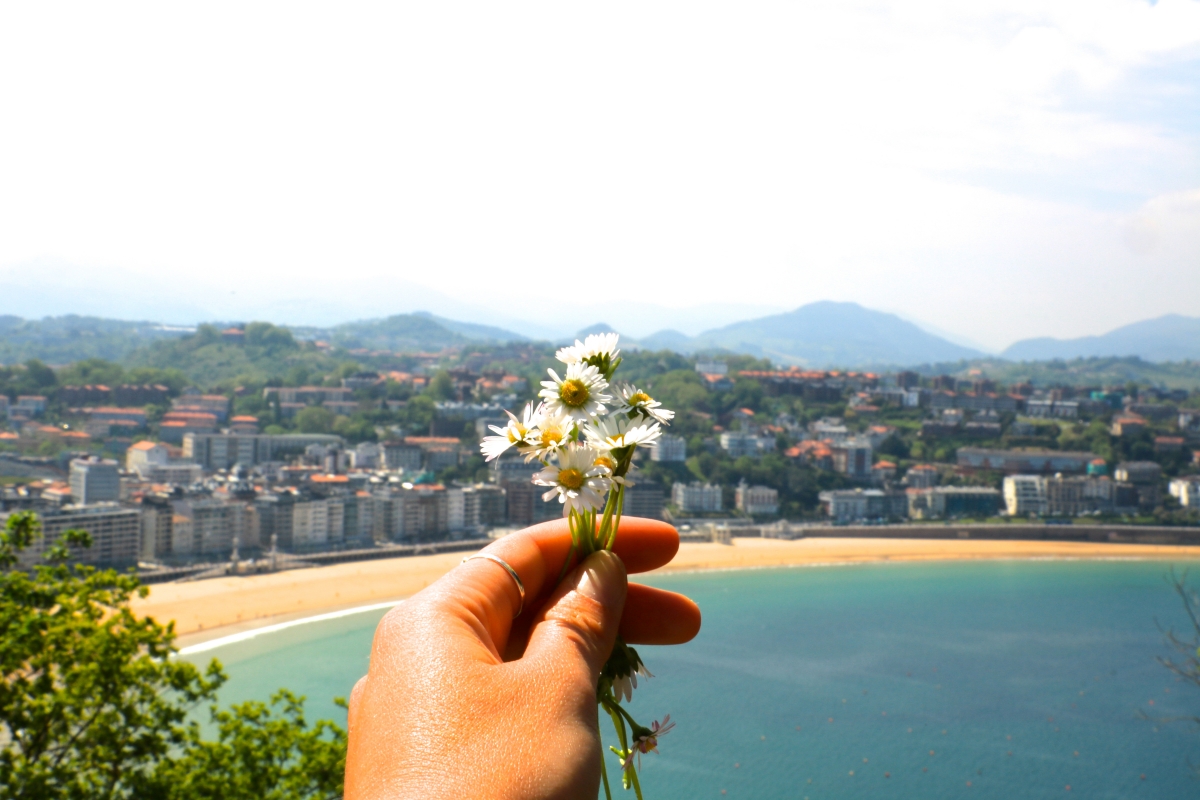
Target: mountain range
<point x="818" y="335"/>
<point x="1168" y="338"/>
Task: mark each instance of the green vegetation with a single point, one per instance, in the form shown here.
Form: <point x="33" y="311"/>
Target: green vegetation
<point x="96" y="707"/>
<point x="1110" y="371"/>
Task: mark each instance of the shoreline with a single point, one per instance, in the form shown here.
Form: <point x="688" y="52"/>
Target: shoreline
<point x="244" y="606"/>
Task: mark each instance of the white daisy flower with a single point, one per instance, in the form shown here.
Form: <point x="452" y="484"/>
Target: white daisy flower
<point x="576" y="480"/>
<point x="552" y="433"/>
<point x="579" y="395"/>
<point x="617" y="431"/>
<point x="625" y="684"/>
<point x="637" y="403"/>
<point x="514" y="433"/>
<point x="596" y="346"/>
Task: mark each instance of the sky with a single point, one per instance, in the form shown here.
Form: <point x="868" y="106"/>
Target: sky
<point x="996" y="170"/>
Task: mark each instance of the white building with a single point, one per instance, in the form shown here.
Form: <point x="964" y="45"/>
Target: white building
<point x="742" y="443"/>
<point x="757" y="501"/>
<point x="696" y="497"/>
<point x="1025" y="495"/>
<point x="1186" y="490"/>
<point x="116" y="533"/>
<point x="94" y="480"/>
<point x="712" y="367"/>
<point x="142" y="455"/>
<point x="670" y="448"/>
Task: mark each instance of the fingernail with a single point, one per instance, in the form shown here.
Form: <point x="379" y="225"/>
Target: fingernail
<point x="602" y="578"/>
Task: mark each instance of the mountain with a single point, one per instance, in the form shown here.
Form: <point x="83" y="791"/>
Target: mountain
<point x="484" y="333"/>
<point x="830" y="334"/>
<point x="667" y="340"/>
<point x="1169" y="338"/>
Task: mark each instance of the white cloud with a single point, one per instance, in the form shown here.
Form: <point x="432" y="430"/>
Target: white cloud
<point x="957" y="160"/>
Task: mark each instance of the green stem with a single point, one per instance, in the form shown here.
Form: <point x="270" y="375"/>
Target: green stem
<point x="619" y="725"/>
<point x="603" y="764"/>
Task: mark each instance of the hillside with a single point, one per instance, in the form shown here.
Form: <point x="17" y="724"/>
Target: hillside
<point x="70" y="338"/>
<point x="824" y="334"/>
<point x="1075" y="372"/>
<point x="1169" y="338"/>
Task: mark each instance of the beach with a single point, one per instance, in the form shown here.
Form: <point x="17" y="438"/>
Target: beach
<point x="207" y="609"/>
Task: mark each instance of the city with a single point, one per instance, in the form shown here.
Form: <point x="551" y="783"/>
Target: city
<point x="362" y="458"/>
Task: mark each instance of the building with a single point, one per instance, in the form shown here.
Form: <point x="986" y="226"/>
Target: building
<point x="308" y="395"/>
<point x="744" y="443"/>
<point x="1023" y="461"/>
<point x="921" y="476"/>
<point x="696" y="498"/>
<point x="853" y="458"/>
<point x="1071" y="496"/>
<point x="1146" y="477"/>
<point x="864" y="505"/>
<point x="142" y="455"/>
<point x="484" y="506"/>
<point x="1126" y="427"/>
<point x="112" y="415"/>
<point x="1186" y="491"/>
<point x="243" y="423"/>
<point x="757" y="501"/>
<point x="644" y="500"/>
<point x="398" y="454"/>
<point x="94" y="480"/>
<point x="949" y="502"/>
<point x="883" y="472"/>
<point x="214" y="451"/>
<point x="115" y="531"/>
<point x="205" y="527"/>
<point x="670" y="448"/>
<point x="215" y="404"/>
<point x="1025" y="495"/>
<point x="1168" y="444"/>
<point x="712" y="367"/>
<point x="27" y="406"/>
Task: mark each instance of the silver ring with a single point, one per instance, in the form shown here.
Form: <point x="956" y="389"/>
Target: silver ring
<point x="512" y="572"/>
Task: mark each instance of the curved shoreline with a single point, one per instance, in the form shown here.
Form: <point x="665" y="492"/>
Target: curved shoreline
<point x="220" y="608"/>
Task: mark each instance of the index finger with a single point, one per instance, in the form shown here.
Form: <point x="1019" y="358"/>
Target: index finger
<point x="538" y="554"/>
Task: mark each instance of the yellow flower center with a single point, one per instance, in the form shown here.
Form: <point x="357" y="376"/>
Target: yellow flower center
<point x="516" y="434"/>
<point x="574" y="393"/>
<point x="638" y="398"/>
<point x="606" y="462"/>
<point x="551" y="437"/>
<point x="570" y="478"/>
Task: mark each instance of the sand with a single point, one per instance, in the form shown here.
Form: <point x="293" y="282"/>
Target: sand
<point x="208" y="609"/>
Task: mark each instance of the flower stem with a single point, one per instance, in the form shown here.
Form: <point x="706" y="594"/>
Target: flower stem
<point x="603" y="765"/>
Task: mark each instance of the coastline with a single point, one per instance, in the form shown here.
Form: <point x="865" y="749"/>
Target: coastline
<point x="221" y="607"/>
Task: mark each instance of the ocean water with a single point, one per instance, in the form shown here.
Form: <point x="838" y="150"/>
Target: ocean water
<point x="985" y="680"/>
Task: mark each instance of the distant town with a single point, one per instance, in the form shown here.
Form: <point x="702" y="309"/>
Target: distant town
<point x="246" y="446"/>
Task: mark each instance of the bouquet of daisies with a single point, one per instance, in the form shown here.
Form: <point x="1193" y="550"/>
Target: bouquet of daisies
<point x="585" y="433"/>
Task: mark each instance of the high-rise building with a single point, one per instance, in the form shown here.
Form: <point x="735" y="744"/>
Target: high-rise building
<point x="1025" y="495"/>
<point x="644" y="500"/>
<point x="94" y="480"/>
<point x="115" y="532"/>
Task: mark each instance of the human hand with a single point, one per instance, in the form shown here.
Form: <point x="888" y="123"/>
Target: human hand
<point x="463" y="701"/>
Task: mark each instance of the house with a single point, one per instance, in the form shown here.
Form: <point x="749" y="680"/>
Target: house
<point x="1168" y="444"/>
<point x="921" y="476"/>
<point x="1023" y="461"/>
<point x="883" y="472"/>
<point x="1128" y="426"/>
<point x="1186" y="490"/>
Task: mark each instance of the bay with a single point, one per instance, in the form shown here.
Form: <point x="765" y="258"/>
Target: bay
<point x="975" y="679"/>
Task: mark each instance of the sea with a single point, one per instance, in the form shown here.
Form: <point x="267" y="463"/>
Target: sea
<point x="998" y="679"/>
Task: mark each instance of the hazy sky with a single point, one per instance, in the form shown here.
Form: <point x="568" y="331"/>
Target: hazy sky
<point x="996" y="168"/>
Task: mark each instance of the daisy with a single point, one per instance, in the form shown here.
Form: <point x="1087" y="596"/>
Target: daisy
<point x="514" y="433"/>
<point x="579" y="484"/>
<point x="618" y="431"/>
<point x="636" y="403"/>
<point x="552" y="433"/>
<point x="579" y="395"/>
<point x="646" y="741"/>
<point x="624" y="685"/>
<point x="594" y="348"/>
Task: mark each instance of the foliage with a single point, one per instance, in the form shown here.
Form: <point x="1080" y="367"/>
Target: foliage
<point x="314" y="419"/>
<point x="93" y="705"/>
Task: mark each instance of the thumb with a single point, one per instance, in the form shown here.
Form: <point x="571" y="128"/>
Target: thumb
<point x="574" y="635"/>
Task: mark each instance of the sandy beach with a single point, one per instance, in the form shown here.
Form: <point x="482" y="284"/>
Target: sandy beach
<point x="211" y="608"/>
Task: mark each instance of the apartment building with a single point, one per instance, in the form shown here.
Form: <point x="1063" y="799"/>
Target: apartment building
<point x="670" y="449"/>
<point x="94" y="480"/>
<point x="757" y="501"/>
<point x="696" y="497"/>
<point x="1025" y="495"/>
<point x="115" y="532"/>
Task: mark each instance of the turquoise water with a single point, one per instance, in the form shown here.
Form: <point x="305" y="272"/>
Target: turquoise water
<point x="1021" y="677"/>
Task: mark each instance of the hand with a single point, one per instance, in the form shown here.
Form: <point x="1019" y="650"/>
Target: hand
<point x="463" y="701"/>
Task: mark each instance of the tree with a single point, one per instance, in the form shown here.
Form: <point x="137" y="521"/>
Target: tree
<point x="94" y="705"/>
<point x="441" y="386"/>
<point x="314" y="419"/>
